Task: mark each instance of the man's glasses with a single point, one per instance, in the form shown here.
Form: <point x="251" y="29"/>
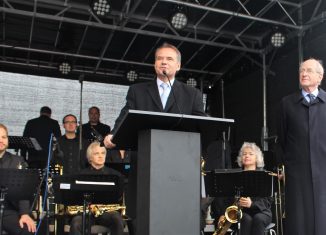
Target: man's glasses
<point x="309" y="71"/>
<point x="69" y="122"/>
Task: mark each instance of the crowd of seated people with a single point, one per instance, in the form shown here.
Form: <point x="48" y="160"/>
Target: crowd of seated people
<point x="74" y="158"/>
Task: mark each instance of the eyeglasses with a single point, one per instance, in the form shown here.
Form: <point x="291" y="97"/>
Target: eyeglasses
<point x="70" y="122"/>
<point x="309" y="71"/>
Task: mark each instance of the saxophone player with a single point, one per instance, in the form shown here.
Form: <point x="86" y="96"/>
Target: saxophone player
<point x="16" y="218"/>
<point x="113" y="220"/>
<point x="257" y="214"/>
<point x="256" y="211"/>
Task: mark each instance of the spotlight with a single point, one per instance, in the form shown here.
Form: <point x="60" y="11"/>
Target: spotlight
<point x="192" y="82"/>
<point x="278" y="39"/>
<point x="179" y="19"/>
<point x="132" y="75"/>
<point x="65" y="68"/>
<point x="101" y="7"/>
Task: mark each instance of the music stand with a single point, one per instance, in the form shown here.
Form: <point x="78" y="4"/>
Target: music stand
<point x="17" y="184"/>
<point x="86" y="189"/>
<point x="21" y="142"/>
<point x="226" y="183"/>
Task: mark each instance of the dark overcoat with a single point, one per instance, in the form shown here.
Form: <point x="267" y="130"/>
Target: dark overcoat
<point x="302" y="137"/>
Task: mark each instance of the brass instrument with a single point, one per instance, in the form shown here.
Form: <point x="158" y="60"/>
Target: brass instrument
<point x="202" y="165"/>
<point x="230" y="217"/>
<point x="280" y="200"/>
<point x="96" y="209"/>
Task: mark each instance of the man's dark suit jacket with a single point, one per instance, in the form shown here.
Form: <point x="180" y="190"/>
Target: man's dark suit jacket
<point x="11" y="161"/>
<point x="146" y="97"/>
<point x="41" y="128"/>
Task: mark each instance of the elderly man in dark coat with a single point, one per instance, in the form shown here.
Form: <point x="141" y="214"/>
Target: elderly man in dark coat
<point x="303" y="141"/>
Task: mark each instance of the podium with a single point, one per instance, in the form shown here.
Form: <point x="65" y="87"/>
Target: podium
<point x="168" y="169"/>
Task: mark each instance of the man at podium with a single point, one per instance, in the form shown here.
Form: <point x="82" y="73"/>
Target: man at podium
<point x="16" y="219"/>
<point x="164" y="94"/>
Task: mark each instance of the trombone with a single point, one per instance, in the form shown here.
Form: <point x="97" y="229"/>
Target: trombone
<point x="279" y="198"/>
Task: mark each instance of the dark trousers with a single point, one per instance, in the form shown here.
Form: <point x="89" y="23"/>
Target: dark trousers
<point x="10" y="224"/>
<point x="112" y="220"/>
<point x="254" y="225"/>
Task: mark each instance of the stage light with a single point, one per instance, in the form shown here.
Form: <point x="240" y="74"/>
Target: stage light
<point x="192" y="82"/>
<point x="278" y="39"/>
<point x="65" y="67"/>
<point x="132" y="75"/>
<point x="179" y="19"/>
<point x="101" y="7"/>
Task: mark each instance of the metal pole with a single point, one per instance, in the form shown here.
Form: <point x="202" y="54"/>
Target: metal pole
<point x="222" y="98"/>
<point x="300" y="35"/>
<point x="265" y="129"/>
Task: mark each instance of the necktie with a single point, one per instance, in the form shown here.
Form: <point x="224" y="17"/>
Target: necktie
<point x="311" y="97"/>
<point x="165" y="93"/>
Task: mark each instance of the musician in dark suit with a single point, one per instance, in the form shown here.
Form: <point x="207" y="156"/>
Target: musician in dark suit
<point x="113" y="220"/>
<point x="158" y="96"/>
<point x="94" y="123"/>
<point x="41" y="128"/>
<point x="16" y="219"/>
<point x="67" y="153"/>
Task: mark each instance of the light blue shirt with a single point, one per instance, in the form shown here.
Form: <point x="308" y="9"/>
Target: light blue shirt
<point x="160" y="89"/>
<point x="304" y="94"/>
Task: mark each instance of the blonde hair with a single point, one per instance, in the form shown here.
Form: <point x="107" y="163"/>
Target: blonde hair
<point x="259" y="155"/>
<point x="89" y="151"/>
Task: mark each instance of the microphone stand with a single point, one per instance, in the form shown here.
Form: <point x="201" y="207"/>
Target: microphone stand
<point x="172" y="90"/>
<point x="45" y="179"/>
<point x="81" y="80"/>
<point x="238" y="212"/>
<point x="3" y="192"/>
<point x="165" y="74"/>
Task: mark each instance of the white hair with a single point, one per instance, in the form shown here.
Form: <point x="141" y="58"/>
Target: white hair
<point x="259" y="155"/>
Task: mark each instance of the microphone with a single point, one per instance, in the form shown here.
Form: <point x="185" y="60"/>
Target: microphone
<point x="166" y="75"/>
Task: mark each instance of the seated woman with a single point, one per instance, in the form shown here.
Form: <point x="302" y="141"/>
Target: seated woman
<point x="256" y="211"/>
<point x="113" y="220"/>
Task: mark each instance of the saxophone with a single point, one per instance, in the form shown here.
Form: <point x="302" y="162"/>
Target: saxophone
<point x="230" y="217"/>
<point x="97" y="209"/>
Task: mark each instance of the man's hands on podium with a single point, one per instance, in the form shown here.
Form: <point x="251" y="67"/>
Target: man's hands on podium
<point x="108" y="141"/>
<point x="26" y="219"/>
